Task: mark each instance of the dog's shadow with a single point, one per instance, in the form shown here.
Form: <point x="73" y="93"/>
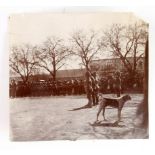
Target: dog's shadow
<point x="83" y="107"/>
<point x="108" y="124"/>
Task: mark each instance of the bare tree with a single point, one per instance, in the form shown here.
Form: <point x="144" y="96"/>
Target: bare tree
<point x="52" y="56"/>
<point x="86" y="47"/>
<point x="125" y="42"/>
<point x="22" y="61"/>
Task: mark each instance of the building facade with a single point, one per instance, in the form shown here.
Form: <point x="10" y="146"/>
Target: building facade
<point x="109" y="66"/>
<point x="102" y="67"/>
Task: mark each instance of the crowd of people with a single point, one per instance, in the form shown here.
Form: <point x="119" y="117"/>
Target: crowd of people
<point x="46" y="88"/>
<point x="110" y="84"/>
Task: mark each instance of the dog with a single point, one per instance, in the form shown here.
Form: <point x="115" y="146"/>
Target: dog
<point x="113" y="102"/>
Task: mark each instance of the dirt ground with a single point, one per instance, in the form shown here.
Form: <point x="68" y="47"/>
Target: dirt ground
<point x="52" y="118"/>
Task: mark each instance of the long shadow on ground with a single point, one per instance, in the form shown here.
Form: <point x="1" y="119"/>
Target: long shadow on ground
<point x="83" y="107"/>
<point x="100" y="123"/>
<point x="86" y="107"/>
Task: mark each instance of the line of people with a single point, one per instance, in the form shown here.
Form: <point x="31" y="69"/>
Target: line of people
<point x="111" y="84"/>
<point x="47" y="88"/>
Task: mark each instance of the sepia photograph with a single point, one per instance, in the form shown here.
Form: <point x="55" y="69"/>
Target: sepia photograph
<point x="78" y="76"/>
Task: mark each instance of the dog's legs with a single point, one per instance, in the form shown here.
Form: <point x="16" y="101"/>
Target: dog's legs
<point x="104" y="114"/>
<point x="99" y="110"/>
<point x="119" y="115"/>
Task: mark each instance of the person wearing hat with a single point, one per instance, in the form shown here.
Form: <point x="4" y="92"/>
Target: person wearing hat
<point x="88" y="88"/>
<point x="95" y="88"/>
<point x="117" y="84"/>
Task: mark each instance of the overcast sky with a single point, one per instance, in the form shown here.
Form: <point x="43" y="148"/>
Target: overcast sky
<point x="35" y="28"/>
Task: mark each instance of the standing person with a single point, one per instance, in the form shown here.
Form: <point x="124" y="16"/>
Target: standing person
<point x="13" y="88"/>
<point x="81" y="87"/>
<point x="78" y="87"/>
<point x="110" y="84"/>
<point x="75" y="87"/>
<point x="55" y="88"/>
<point x="117" y="84"/>
<point x="95" y="88"/>
<point x="88" y="88"/>
<point x="101" y="85"/>
<point x="64" y="87"/>
<point x="72" y="87"/>
<point x="10" y="90"/>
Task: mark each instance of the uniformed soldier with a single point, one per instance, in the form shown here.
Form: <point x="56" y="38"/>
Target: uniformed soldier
<point x="81" y="87"/>
<point x="64" y="87"/>
<point x="75" y="86"/>
<point x="68" y="87"/>
<point x="58" y="86"/>
<point x="88" y="88"/>
<point x="95" y="88"/>
<point x="117" y="84"/>
<point x="13" y="88"/>
<point x="110" y="84"/>
<point x="54" y="88"/>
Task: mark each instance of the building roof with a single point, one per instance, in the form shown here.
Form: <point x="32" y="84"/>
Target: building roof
<point x="70" y="73"/>
<point x="116" y="59"/>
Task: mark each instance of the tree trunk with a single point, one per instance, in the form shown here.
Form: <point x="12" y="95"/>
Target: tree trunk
<point x="145" y="115"/>
<point x="54" y="75"/>
<point x="134" y="63"/>
<point x="54" y="69"/>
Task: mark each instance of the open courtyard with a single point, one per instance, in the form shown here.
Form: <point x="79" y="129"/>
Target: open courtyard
<point x="55" y="118"/>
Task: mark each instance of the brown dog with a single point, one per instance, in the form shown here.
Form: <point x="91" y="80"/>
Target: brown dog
<point x="113" y="102"/>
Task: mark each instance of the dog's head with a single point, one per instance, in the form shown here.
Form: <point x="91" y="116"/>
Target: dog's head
<point x="126" y="97"/>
